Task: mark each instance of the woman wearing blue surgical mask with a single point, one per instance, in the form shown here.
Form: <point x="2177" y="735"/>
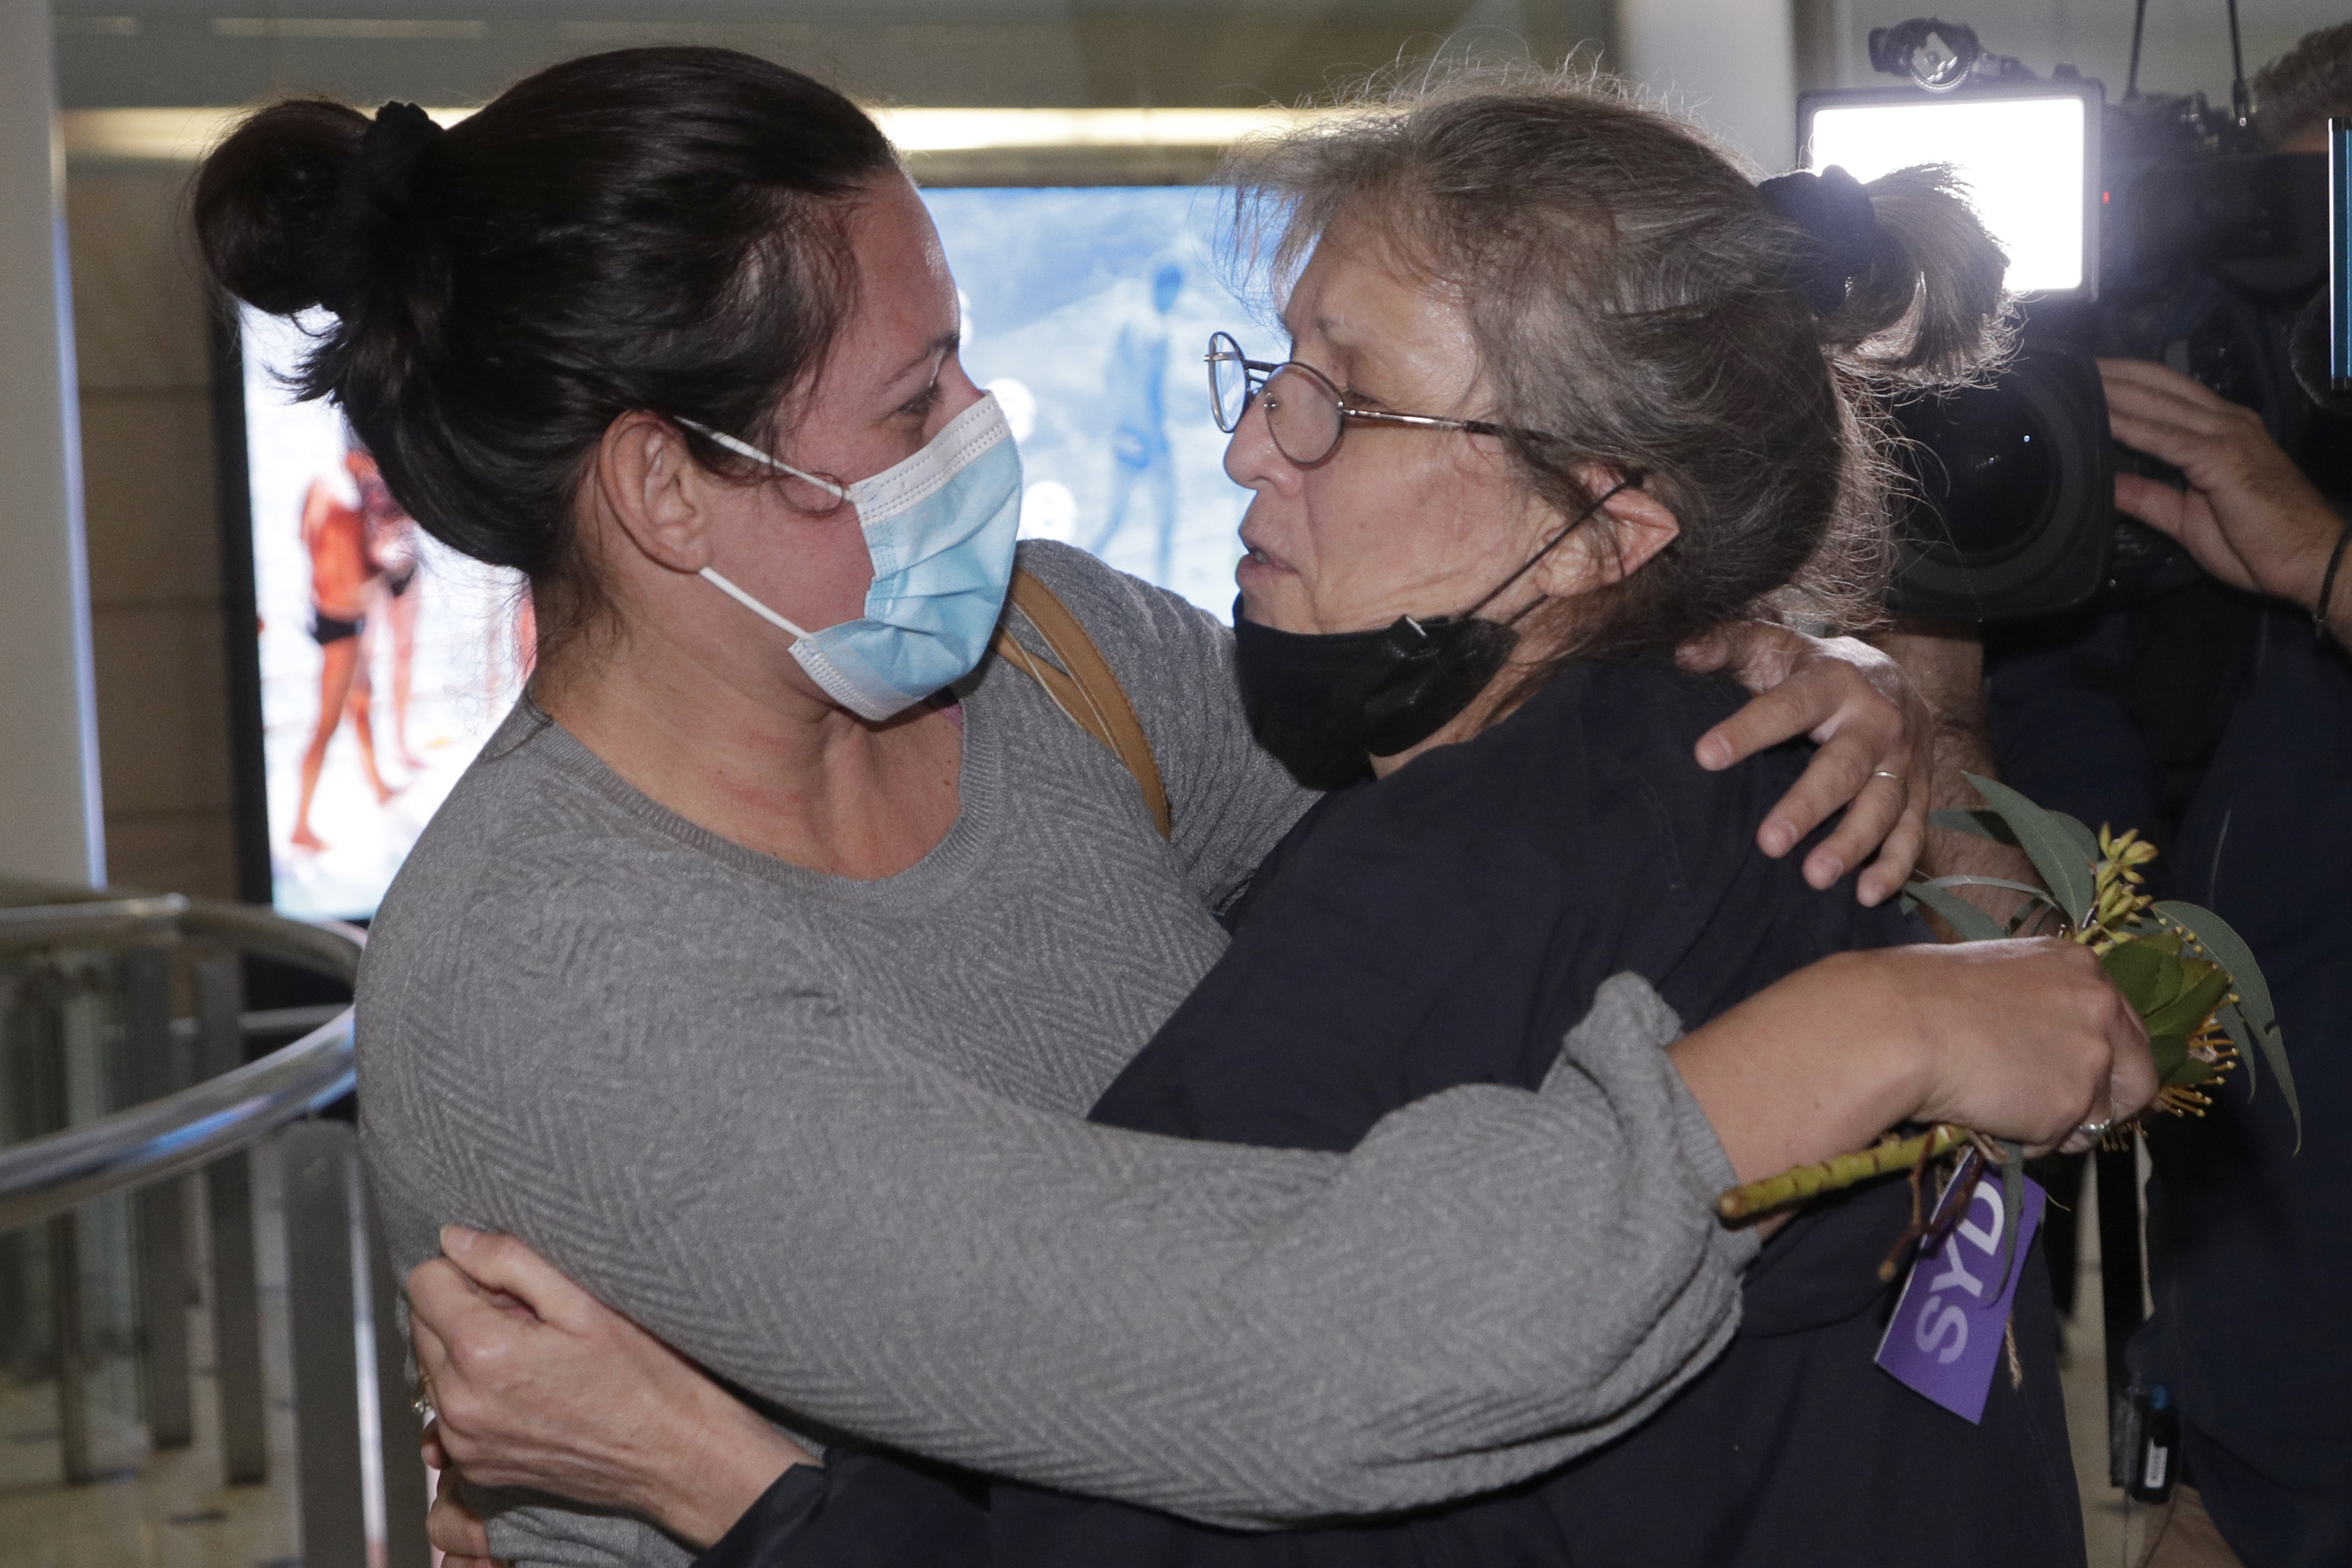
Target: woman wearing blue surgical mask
<point x="760" y="971"/>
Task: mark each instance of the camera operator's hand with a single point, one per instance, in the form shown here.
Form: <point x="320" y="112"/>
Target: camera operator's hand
<point x="2248" y="515"/>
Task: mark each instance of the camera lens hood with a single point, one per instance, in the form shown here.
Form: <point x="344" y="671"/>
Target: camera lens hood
<point x="2010" y="507"/>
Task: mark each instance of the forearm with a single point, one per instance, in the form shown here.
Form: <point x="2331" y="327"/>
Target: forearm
<point x="2021" y="1039"/>
<point x="1802" y="1071"/>
<point x="1945" y="660"/>
<point x="1491" y="1283"/>
<point x="694" y="1491"/>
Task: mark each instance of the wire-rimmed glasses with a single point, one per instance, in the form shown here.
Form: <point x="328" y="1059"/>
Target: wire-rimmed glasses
<point x="1305" y="413"/>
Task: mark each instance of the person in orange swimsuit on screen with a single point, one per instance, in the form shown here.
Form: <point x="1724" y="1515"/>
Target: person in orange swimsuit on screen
<point x="343" y="572"/>
<point x="393" y="549"/>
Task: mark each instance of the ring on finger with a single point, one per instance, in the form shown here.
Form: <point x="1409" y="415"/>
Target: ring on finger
<point x="423" y="1404"/>
<point x="1883" y="773"/>
<point x="2092" y="1131"/>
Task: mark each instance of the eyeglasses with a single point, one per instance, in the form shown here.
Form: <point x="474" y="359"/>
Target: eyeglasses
<point x="1305" y="413"/>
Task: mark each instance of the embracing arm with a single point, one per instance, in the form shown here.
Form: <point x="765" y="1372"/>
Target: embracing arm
<point x="1358" y="1333"/>
<point x="1493" y="1282"/>
<point x="2021" y="1039"/>
<point x="1872" y="759"/>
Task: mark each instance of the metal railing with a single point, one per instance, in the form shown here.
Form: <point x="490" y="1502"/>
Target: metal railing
<point x="108" y="1186"/>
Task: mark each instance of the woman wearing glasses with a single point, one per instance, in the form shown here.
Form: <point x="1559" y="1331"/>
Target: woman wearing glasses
<point x="759" y="968"/>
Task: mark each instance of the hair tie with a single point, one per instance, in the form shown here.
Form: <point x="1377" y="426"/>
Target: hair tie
<point x="1836" y="212"/>
<point x="376" y="209"/>
<point x="395" y="139"/>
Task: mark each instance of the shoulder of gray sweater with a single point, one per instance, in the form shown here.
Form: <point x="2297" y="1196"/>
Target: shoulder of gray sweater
<point x="1154" y="639"/>
<point x="1230" y="801"/>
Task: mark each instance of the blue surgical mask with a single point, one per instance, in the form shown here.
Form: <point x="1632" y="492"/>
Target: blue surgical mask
<point x="940" y="528"/>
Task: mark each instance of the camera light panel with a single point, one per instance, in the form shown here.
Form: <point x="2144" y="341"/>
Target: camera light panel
<point x="2025" y="162"/>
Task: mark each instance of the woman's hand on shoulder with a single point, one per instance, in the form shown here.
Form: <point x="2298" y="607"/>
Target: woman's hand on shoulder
<point x="1875" y="755"/>
<point x="536" y="1383"/>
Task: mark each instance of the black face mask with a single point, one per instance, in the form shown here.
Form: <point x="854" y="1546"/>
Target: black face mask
<point x="1324" y="702"/>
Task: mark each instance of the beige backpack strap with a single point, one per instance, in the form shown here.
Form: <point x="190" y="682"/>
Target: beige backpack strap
<point x="1088" y="692"/>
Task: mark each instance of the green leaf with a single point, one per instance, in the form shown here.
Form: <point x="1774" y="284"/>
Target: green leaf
<point x="2185" y="1014"/>
<point x="2013" y="1205"/>
<point x="2137" y="970"/>
<point x="2233" y="1023"/>
<point x="1973" y="924"/>
<point x="1974" y="820"/>
<point x="2084" y="839"/>
<point x="2193" y="1073"/>
<point x="2226" y="948"/>
<point x="2025" y="887"/>
<point x="2172" y="1054"/>
<point x="2047" y="843"/>
<point x="2229" y="949"/>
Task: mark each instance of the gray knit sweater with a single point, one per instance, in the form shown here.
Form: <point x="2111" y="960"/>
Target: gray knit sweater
<point x="823" y="1136"/>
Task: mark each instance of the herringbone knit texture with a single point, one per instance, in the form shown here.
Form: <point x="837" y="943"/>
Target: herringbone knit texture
<point x="823" y="1135"/>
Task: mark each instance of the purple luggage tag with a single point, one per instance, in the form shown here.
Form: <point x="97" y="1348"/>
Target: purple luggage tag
<point x="1945" y="1338"/>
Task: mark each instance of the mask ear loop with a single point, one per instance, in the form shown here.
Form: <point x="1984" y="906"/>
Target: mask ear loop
<point x="711" y="574"/>
<point x="1627" y="483"/>
<point x="745" y="449"/>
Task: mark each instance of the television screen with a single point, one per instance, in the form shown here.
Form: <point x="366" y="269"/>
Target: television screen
<point x="1087" y="312"/>
<point x="387" y="660"/>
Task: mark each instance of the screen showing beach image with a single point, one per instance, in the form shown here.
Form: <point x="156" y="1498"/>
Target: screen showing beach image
<point x="387" y="659"/>
<point x="1087" y="312"/>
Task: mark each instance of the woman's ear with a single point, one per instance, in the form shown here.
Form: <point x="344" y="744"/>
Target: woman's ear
<point x="1643" y="525"/>
<point x="1640" y="525"/>
<point x="650" y="489"/>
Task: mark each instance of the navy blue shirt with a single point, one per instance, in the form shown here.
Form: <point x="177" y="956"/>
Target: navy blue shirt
<point x="1448" y="926"/>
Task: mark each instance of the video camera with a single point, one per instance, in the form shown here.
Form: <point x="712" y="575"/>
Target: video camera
<point x="2154" y="228"/>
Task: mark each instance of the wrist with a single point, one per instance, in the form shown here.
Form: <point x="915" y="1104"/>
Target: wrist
<point x="1892" y="1060"/>
<point x="2328" y="596"/>
<point x="2289" y="560"/>
<point x="1944" y="661"/>
<point x="721" y="1478"/>
<point x="1914" y="1090"/>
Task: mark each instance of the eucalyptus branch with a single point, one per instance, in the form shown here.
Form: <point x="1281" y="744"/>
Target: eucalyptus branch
<point x="2193" y="980"/>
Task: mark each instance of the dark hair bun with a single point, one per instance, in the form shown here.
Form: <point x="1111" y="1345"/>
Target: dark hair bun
<point x="665" y="229"/>
<point x="266" y="201"/>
